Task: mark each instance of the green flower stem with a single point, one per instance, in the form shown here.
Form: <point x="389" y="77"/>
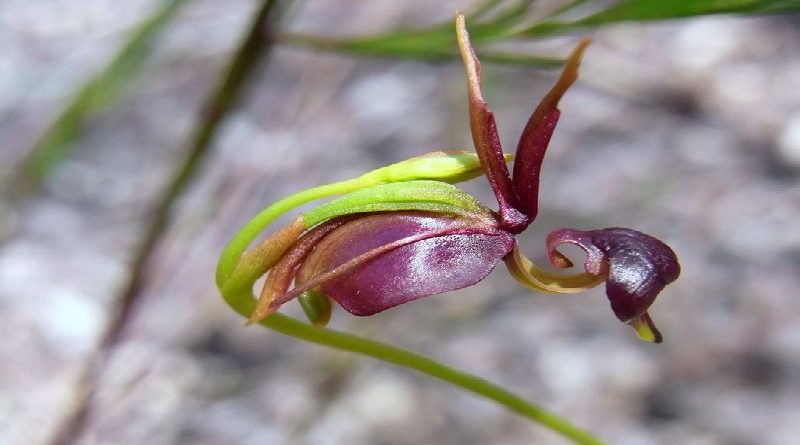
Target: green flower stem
<point x="244" y="304"/>
<point x="441" y="166"/>
<point x="235" y="249"/>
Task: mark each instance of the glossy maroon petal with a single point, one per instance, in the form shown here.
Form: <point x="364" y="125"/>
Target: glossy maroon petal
<point x="459" y="255"/>
<point x="638" y="266"/>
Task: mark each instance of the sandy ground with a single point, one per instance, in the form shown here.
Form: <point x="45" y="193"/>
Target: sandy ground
<point x="687" y="130"/>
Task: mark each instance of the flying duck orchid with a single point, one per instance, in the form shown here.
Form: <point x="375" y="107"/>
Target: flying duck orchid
<point x="404" y="232"/>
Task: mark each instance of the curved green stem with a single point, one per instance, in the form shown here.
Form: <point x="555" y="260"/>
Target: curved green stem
<point x="244" y="304"/>
<point x="233" y="251"/>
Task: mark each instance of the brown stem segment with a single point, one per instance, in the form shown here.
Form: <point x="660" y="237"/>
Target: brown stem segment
<point x="257" y="261"/>
<point x="283" y="272"/>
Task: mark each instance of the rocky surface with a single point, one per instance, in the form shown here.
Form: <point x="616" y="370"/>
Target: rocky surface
<point x="688" y="130"/>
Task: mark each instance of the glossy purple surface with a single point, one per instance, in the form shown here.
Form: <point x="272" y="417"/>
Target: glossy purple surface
<point x="457" y="254"/>
<point x="638" y="266"/>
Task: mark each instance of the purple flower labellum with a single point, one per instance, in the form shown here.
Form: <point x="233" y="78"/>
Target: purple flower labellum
<point x="401" y="233"/>
<point x="434" y="254"/>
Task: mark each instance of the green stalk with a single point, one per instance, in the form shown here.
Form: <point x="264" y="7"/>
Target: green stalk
<point x="236" y="247"/>
<point x="244" y="304"/>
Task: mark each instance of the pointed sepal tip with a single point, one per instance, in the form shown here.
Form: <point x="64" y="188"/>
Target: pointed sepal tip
<point x="646" y="329"/>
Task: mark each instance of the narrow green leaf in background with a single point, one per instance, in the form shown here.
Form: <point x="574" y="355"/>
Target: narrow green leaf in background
<point x="654" y="10"/>
<point x="98" y="94"/>
<point x="497" y="20"/>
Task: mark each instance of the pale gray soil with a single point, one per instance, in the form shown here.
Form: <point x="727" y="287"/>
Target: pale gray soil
<point x="689" y="131"/>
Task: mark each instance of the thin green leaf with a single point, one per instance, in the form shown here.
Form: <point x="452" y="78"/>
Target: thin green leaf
<point x="483" y="9"/>
<point x="97" y="94"/>
<point x="641" y="10"/>
<point x="429" y="47"/>
<point x="437" y="42"/>
<point x="653" y="10"/>
<point x="508" y="58"/>
<point x="574" y="4"/>
<point x="505" y="15"/>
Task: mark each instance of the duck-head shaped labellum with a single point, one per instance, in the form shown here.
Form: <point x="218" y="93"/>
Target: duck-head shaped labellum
<point x="397" y="236"/>
<point x="636" y="266"/>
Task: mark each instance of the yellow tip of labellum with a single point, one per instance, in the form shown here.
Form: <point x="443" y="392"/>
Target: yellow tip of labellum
<point x="646" y="329"/>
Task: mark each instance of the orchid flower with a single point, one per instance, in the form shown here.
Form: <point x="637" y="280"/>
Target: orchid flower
<point x="404" y="232"/>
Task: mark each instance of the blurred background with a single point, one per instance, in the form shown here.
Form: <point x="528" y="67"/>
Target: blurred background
<point x="112" y="329"/>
